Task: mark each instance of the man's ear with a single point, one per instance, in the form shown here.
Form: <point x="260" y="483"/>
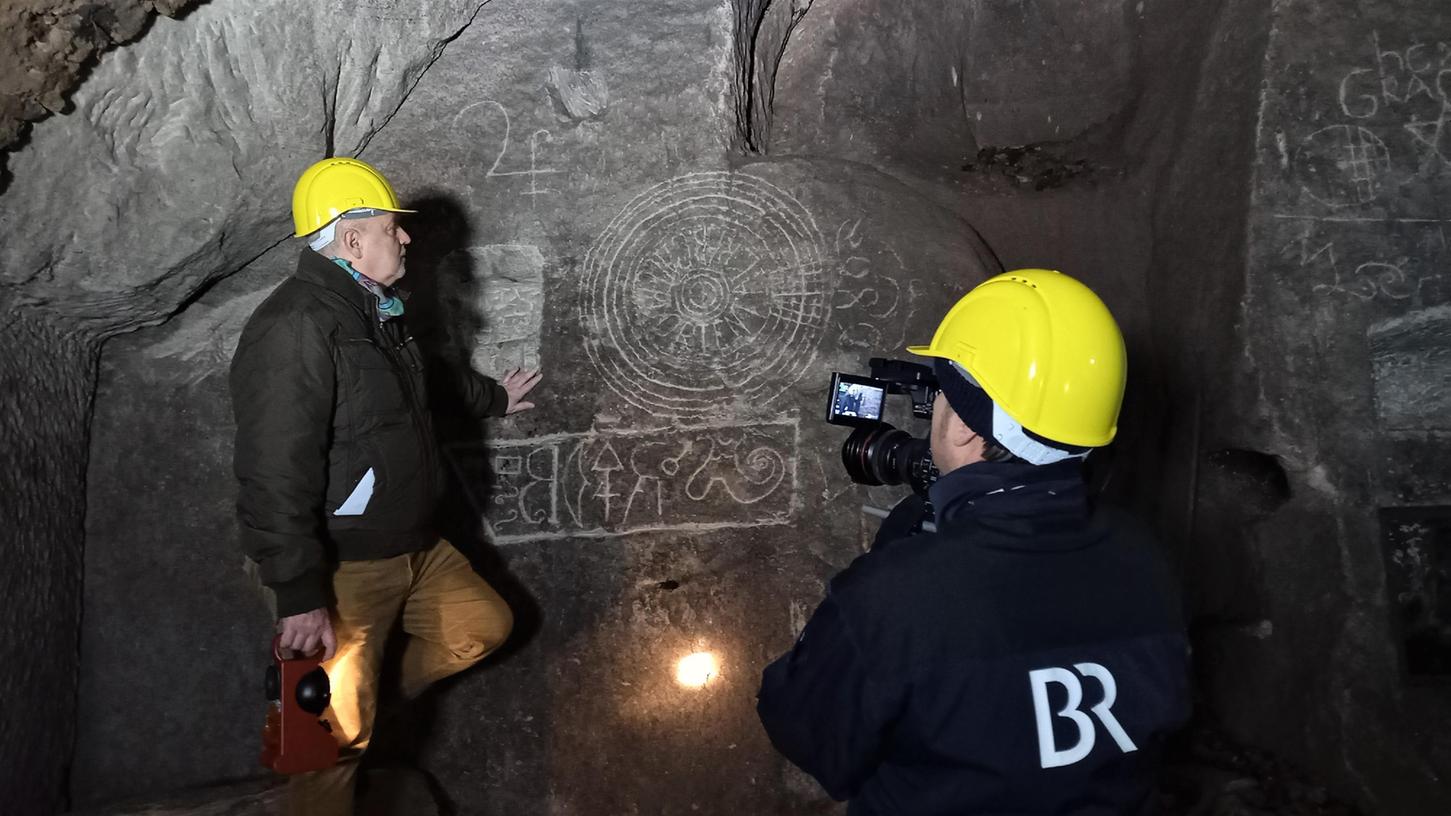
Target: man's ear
<point x="350" y="241"/>
<point x="958" y="434"/>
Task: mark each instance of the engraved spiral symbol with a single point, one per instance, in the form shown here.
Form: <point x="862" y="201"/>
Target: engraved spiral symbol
<point x="704" y="287"/>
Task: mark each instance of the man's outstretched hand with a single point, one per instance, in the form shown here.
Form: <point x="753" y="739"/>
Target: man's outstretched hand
<point x="519" y="383"/>
<point x="303" y="634"/>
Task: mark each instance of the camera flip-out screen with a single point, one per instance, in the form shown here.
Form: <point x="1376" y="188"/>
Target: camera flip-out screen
<point x="855" y="400"/>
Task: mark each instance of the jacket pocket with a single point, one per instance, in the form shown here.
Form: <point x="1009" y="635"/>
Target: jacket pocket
<point x="358" y="482"/>
<point x="369" y="381"/>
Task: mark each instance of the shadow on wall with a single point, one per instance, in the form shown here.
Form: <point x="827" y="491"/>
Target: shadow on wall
<point x="444" y="291"/>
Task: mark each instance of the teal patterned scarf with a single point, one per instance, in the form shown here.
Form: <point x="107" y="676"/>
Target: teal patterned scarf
<point x="389" y="306"/>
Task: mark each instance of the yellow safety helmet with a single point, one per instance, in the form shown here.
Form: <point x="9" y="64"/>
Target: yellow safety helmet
<point x="332" y="187"/>
<point x="1045" y="349"/>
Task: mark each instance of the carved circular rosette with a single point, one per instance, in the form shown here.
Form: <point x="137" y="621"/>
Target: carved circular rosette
<point x="708" y="287"/>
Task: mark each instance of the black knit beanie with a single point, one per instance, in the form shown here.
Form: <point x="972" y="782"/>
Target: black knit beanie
<point x="975" y="407"/>
<point x="970" y="402"/>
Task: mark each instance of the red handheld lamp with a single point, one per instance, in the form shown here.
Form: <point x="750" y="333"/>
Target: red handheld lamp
<point x="296" y="738"/>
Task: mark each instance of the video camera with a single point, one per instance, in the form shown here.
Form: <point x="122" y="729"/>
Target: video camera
<point x="877" y="453"/>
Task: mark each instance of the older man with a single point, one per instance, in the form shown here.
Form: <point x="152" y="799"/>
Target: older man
<point x="339" y="471"/>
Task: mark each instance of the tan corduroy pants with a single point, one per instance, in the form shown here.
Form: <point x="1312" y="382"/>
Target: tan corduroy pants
<point x="451" y="617"/>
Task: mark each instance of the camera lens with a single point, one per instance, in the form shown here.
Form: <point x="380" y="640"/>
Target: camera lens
<point x="884" y="455"/>
<point x="863" y="450"/>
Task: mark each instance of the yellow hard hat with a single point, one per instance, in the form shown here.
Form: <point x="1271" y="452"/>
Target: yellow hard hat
<point x="331" y="187"/>
<point x="1045" y="349"/>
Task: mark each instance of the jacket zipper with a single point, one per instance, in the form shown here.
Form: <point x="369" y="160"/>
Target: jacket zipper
<point x="374" y="327"/>
<point x="394" y="353"/>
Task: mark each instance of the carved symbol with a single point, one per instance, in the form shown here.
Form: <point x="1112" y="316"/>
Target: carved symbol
<point x="683" y="478"/>
<point x="1371" y="280"/>
<point x="746" y="482"/>
<point x="1347" y="162"/>
<point x="534" y="171"/>
<point x="605" y="464"/>
<point x="869" y="291"/>
<point x="492" y="299"/>
<point x="1433" y="138"/>
<point x="705" y="288"/>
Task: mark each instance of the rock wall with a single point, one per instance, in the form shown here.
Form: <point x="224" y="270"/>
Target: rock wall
<point x="192" y="120"/>
<point x="1324" y="492"/>
<point x="930" y="84"/>
<point x="46" y="47"/>
<point x="47" y="379"/>
<point x="675" y="491"/>
<point x="555" y="176"/>
<point x="195" y="119"/>
<point x="620" y="553"/>
<point x="689" y="212"/>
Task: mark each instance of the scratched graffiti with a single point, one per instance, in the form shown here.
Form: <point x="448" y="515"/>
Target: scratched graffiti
<point x="1371" y="226"/>
<point x="492" y="303"/>
<point x="1397" y="106"/>
<point x="1344" y="165"/>
<point x="1404" y="266"/>
<point x="1408" y="83"/>
<point x="1417" y="547"/>
<point x="871" y="304"/>
<point x="706" y="289"/>
<point x="1396" y="103"/>
<point x="601" y="484"/>
<point x="486" y="115"/>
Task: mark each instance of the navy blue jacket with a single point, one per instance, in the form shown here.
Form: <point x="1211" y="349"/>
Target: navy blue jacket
<point x="1027" y="658"/>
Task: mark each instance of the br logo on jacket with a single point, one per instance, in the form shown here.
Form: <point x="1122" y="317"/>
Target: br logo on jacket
<point x="1048" y="752"/>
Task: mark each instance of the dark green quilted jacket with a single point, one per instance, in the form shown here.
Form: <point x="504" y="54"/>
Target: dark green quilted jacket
<point x="335" y="452"/>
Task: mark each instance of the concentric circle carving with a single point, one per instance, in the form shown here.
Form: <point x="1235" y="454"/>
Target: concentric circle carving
<point x="706" y="287"/>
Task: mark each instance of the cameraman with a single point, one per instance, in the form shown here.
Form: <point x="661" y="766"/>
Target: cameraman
<point x="1029" y="656"/>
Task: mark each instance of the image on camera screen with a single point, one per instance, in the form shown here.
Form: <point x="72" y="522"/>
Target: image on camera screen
<point x="857" y="401"/>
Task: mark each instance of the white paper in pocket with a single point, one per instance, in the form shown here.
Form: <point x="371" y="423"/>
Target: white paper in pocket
<point x="358" y="500"/>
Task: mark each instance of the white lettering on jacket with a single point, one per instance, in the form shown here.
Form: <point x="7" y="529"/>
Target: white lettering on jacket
<point x="1048" y="751"/>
